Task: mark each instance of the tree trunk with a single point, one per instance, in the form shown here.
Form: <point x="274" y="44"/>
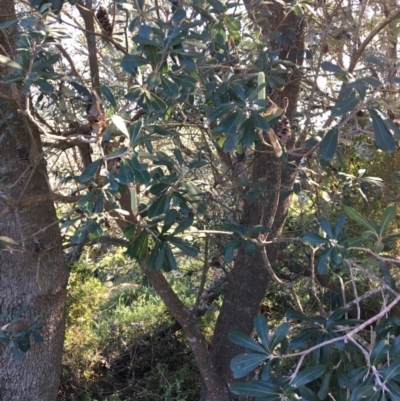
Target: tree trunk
<point x="33" y="272"/>
<point x="249" y="279"/>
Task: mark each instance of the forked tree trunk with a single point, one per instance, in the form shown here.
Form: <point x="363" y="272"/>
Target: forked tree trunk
<point x="33" y="274"/>
<point x="249" y="279"/>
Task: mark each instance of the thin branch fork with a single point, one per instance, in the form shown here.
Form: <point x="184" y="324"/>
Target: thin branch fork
<point x="345" y="337"/>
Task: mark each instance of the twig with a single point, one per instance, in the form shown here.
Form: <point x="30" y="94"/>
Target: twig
<point x="313" y="290"/>
<point x="206" y="266"/>
<point x="354" y="289"/>
<point x="345" y="337"/>
<point x="279" y="281"/>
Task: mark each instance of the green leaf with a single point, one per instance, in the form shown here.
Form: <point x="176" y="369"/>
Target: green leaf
<point x="344" y="106"/>
<point x="370" y="393"/>
<point x="308" y="375"/>
<point x="233" y="24"/>
<point x="279" y="335"/>
<point x="330" y="67"/>
<point x="159" y="260"/>
<point x="178" y="17"/>
<point x="194" y="193"/>
<point x="134" y="133"/>
<point x="375" y="83"/>
<point x="138" y="248"/>
<point x="170" y="88"/>
<point x="184" y="246"/>
<point x="10" y="63"/>
<point x="169" y="219"/>
<point x="394" y="390"/>
<point x="256" y="388"/>
<point x="221" y="111"/>
<point x="95" y="230"/>
<point x="106" y="91"/>
<point x="89" y="171"/>
<point x="79" y="234"/>
<point x="339" y="225"/>
<point x="126" y="173"/>
<point x="130" y="62"/>
<point x="383" y="137"/>
<point x="360" y="86"/>
<point x="328" y="146"/>
<point x="243" y="340"/>
<point x="313" y="239"/>
<point x="154" y="79"/>
<point x="249" y="134"/>
<point x="388" y="215"/>
<point x="134" y="93"/>
<point x="385" y="271"/>
<point x="171" y="261"/>
<point x="44" y="86"/>
<point x="227" y="125"/>
<point x="259" y="121"/>
<point x="185" y="81"/>
<point x="230" y="249"/>
<point x="262" y="330"/>
<point x="326" y="227"/>
<point x="241" y="365"/>
<point x="379" y="353"/>
<point x="197" y="164"/>
<point x="129" y="231"/>
<point x="390" y="372"/>
<point x="119" y="122"/>
<point x="301" y="339"/>
<point x="322" y="266"/>
<point x="343" y="380"/>
<point x="151" y="262"/>
<point x="117" y="153"/>
<point x="250" y="248"/>
<point x="356" y="241"/>
<point x="390" y="125"/>
<point x="184" y="225"/>
<point x="353" y="214"/>
<point x="152" y="103"/>
<point x="159" y="206"/>
<point x="335" y="316"/>
<point x="137" y="165"/>
<point x="324" y="389"/>
<point x="63" y="225"/>
<point x="296" y="315"/>
<point x="82" y="201"/>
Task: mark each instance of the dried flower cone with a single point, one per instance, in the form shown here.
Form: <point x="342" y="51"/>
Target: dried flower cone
<point x="96" y="115"/>
<point x="283" y="130"/>
<point x="102" y="16"/>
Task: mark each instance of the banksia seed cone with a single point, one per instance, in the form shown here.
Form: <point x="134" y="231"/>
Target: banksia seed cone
<point x="102" y="16"/>
<point x="96" y="115"/>
<point x="283" y="131"/>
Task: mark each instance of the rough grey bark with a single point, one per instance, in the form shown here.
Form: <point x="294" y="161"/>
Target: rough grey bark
<point x="34" y="274"/>
<point x="249" y="279"/>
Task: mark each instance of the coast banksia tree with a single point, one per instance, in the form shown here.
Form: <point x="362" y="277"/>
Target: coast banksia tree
<point x="190" y="164"/>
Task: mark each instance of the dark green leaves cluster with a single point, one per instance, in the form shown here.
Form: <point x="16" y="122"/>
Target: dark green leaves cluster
<point x="335" y="366"/>
<point x="335" y="242"/>
<point x="332" y="244"/>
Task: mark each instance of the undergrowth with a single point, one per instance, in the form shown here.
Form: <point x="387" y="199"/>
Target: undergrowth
<point x="116" y="348"/>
